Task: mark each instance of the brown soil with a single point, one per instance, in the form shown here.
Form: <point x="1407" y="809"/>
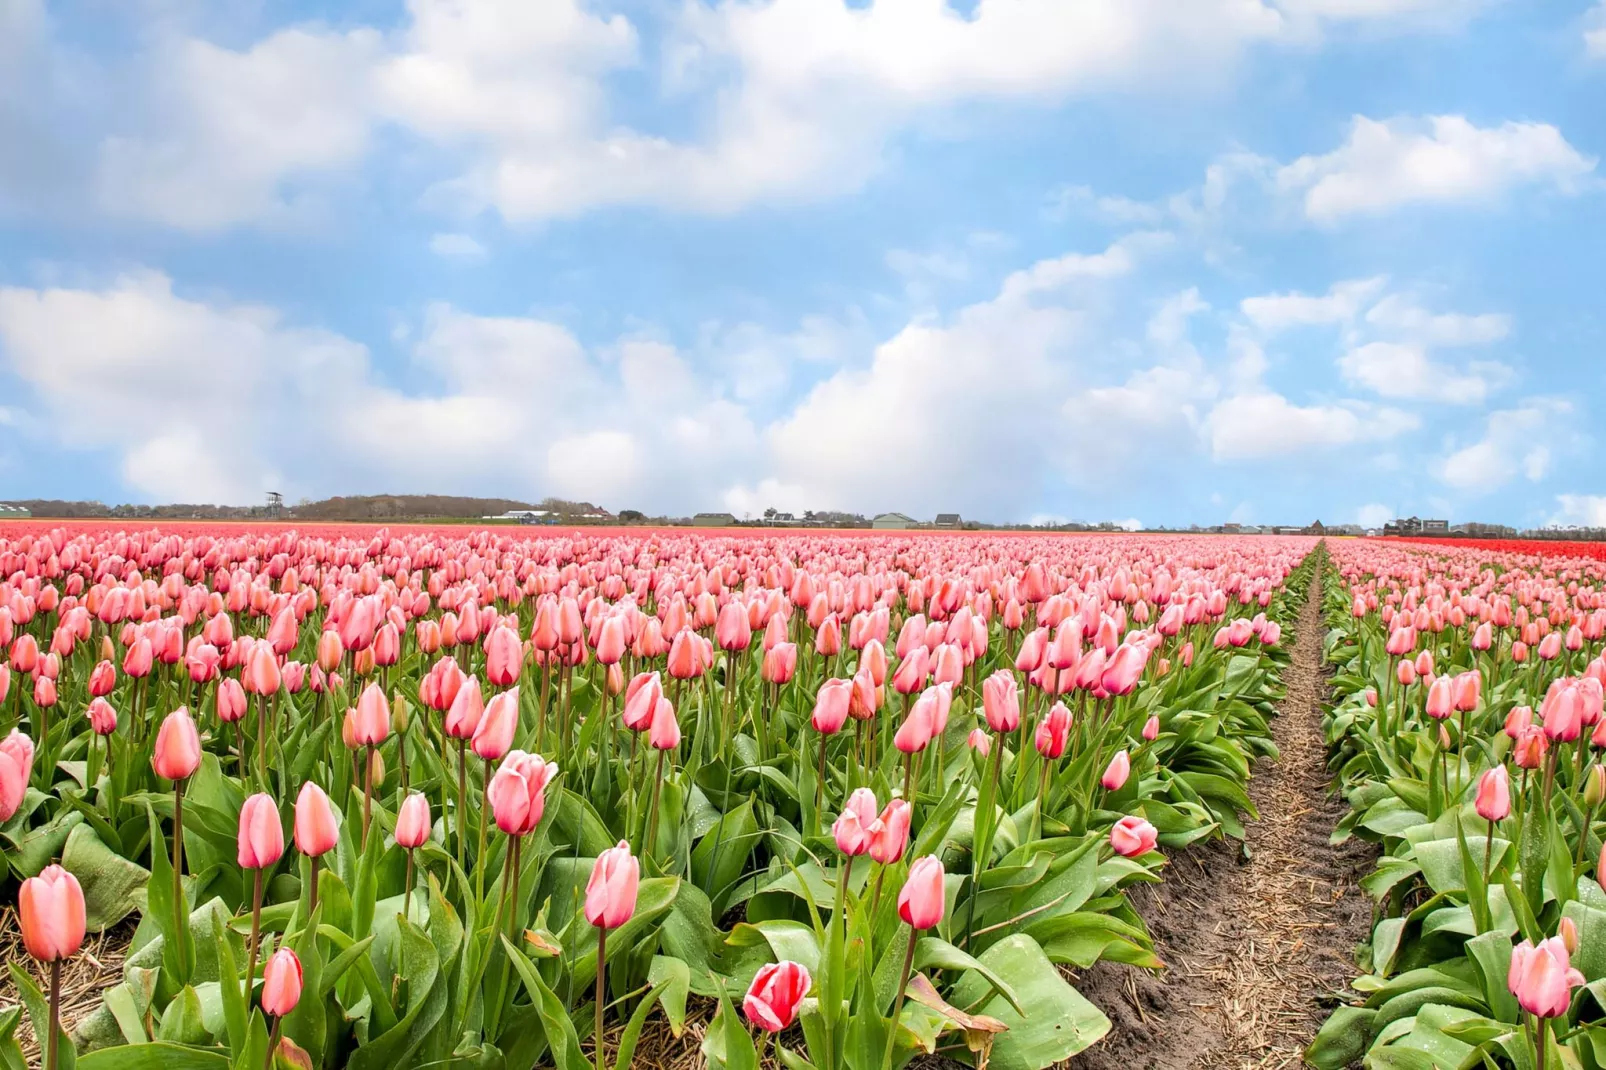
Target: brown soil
<point x="1254" y="947"/>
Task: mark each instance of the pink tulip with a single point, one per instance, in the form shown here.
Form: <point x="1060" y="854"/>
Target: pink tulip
<point x="831" y="706"/>
<point x="316" y="829"/>
<point x="372" y="720"/>
<point x="980" y="742"/>
<point x="16" y="767"/>
<point x="504" y="656"/>
<point x="1151" y="728"/>
<point x="923" y="899"/>
<point x="102" y="678"/>
<point x="281" y="983"/>
<point x="102" y="717"/>
<point x="1494" y="794"/>
<point x="611" y="891"/>
<point x="1542" y="978"/>
<point x="1116" y="772"/>
<point x="1053" y="731"/>
<point x="261" y="837"/>
<point x="50" y="910"/>
<point x="518" y="792"/>
<point x="776" y="993"/>
<point x="1468" y="688"/>
<point x="413" y="821"/>
<point x="641" y="701"/>
<point x="891" y="838"/>
<point x="1132" y="836"/>
<point x="664" y="731"/>
<point x="855" y="827"/>
<point x="494" y="734"/>
<point x="178" y="747"/>
<point x="1001" y="701"/>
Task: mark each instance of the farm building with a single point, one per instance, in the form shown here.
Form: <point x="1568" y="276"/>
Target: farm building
<point x="712" y="520"/>
<point x="892" y="522"/>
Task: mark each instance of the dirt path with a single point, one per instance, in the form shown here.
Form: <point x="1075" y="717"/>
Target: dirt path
<point x="1254" y="946"/>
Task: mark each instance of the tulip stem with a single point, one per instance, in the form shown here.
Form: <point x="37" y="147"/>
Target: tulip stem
<point x="256" y="934"/>
<point x="819" y="786"/>
<point x="602" y="960"/>
<point x="178" y="866"/>
<point x="312" y="902"/>
<point x="897" y="1004"/>
<point x="1488" y="850"/>
<point x="479" y="854"/>
<point x="650" y="839"/>
<point x="407" y="905"/>
<point x="367" y="795"/>
<point x="273" y="1043"/>
<point x="984" y="832"/>
<point x="462" y="798"/>
<point x="55" y="1014"/>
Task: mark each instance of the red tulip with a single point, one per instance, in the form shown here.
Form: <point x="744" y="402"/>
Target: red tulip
<point x="776" y="993"/>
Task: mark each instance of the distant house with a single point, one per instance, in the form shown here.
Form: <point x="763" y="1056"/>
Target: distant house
<point x="948" y="520"/>
<point x="1435" y="527"/>
<point x="892" y="522"/>
<point x="522" y="516"/>
<point x="14" y="512"/>
<point x="712" y="520"/>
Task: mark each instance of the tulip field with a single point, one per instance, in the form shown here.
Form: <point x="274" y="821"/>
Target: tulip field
<point x="1466" y="731"/>
<point x="415" y="797"/>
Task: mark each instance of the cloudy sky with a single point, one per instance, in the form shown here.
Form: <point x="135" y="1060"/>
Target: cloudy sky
<point x="1172" y="260"/>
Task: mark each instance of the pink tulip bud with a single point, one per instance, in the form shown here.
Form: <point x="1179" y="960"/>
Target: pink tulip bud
<point x="494" y="734"/>
<point x="261" y="837"/>
<point x="831" y="706"/>
<point x="281" y="983"/>
<point x="611" y="891"/>
<point x="891" y="838"/>
<point x="178" y="747"/>
<point x="1494" y="794"/>
<point x="50" y="910"/>
<point x="1116" y="772"/>
<point x="923" y="899"/>
<point x="413" y="821"/>
<point x="1151" y="728"/>
<point x="316" y="829"/>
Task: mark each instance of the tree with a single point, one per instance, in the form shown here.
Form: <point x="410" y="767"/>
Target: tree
<point x="631" y="516"/>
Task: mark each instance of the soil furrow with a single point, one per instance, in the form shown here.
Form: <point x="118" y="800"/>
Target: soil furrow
<point x="1254" y="945"/>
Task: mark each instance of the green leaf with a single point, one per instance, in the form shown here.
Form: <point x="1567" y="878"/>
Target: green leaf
<point x="181" y="1020"/>
<point x="729" y="845"/>
<point x="727" y="1045"/>
<point x="1342" y="1039"/>
<point x="235" y="1005"/>
<point x="1057" y="1022"/>
<point x="562" y="1040"/>
<point x="930" y="952"/>
<point x="632" y="1033"/>
<point x="671" y="979"/>
<point x="158" y="1055"/>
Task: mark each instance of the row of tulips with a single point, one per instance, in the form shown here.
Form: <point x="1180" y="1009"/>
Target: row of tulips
<point x="428" y="798"/>
<point x="1468" y="736"/>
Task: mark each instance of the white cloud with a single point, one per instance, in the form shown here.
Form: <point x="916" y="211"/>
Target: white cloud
<point x="1266" y="424"/>
<point x="1401" y="318"/>
<point x="1581" y="510"/>
<point x="1595" y="31"/>
<point x="194" y="398"/>
<point x="1516" y="442"/>
<point x="1373" y="515"/>
<point x="1444" y="159"/>
<point x="456" y="247"/>
<point x="1279" y="312"/>
<point x="243" y="136"/>
<point x="1405" y="371"/>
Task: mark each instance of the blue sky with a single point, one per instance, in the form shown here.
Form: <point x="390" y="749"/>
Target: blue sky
<point x="1168" y="260"/>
